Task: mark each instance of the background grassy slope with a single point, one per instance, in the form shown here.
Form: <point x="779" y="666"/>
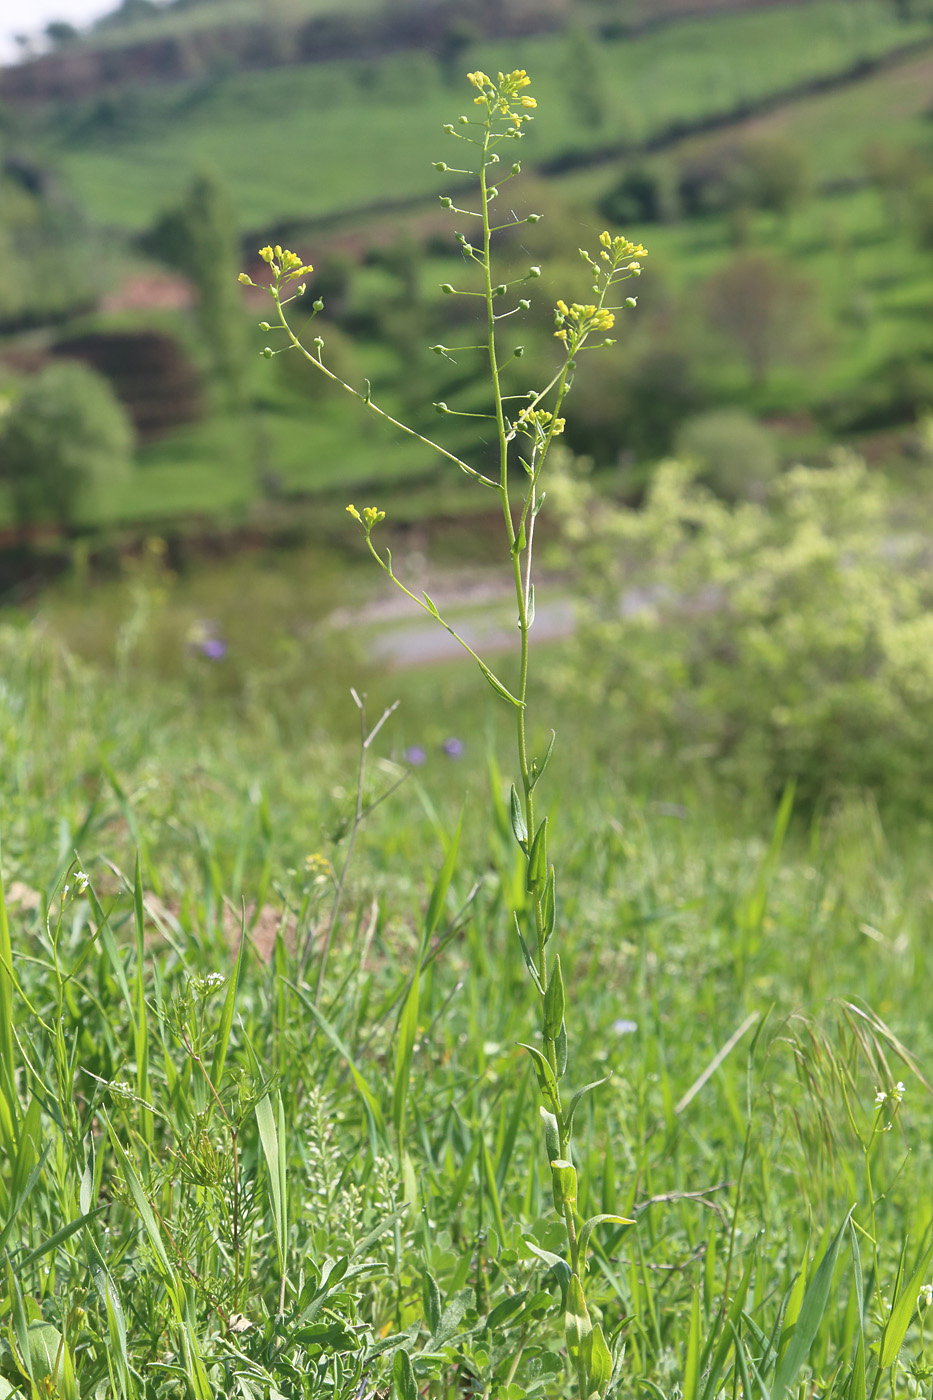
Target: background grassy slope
<point x="281" y="139"/>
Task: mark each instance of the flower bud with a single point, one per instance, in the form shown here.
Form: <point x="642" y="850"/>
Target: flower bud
<point x="533" y="219"/>
<point x="318" y="344"/>
<point x="631" y="302"/>
<point x="267" y="352"/>
<point x="534" y="272"/>
<point x="524" y="304"/>
<point x="441" y="408"/>
<point x="518" y="352"/>
<point x="446" y="201"/>
<point x="264" y="326"/>
<point x="500" y="291"/>
<point x="448" y="127"/>
<point x="517" y="168"/>
<point x="441" y="165"/>
<point x="439" y="349"/>
<point x="245" y="279"/>
<point x="464" y="121"/>
<point x="317" y="305"/>
<point x="492" y="193"/>
<point x="447" y="289"/>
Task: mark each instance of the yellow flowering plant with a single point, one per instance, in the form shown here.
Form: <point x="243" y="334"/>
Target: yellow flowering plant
<point x="526" y="426"/>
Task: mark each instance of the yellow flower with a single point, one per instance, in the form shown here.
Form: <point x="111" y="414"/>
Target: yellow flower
<point x="352" y="510"/>
<point x="266" y="254"/>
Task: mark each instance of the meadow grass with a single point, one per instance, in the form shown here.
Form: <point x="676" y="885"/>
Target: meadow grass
<point x="130" y="1233"/>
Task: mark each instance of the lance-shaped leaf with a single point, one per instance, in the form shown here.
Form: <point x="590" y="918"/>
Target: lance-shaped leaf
<point x="597" y="1362"/>
<point x="554" y="1003"/>
<point x="545" y="1077"/>
<point x="577" y="1324"/>
<point x="590" y="1226"/>
<point x="518" y="819"/>
<point x="537" y="858"/>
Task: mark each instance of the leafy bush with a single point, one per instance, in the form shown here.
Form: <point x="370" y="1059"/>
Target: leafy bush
<point x="736" y="456"/>
<point x="66" y="443"/>
<point x="793" y="642"/>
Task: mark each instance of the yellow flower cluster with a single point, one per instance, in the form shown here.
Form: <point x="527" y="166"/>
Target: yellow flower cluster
<point x="283" y="262"/>
<point x="498" y="97"/>
<point x="576" y="321"/>
<point x="617" y="250"/>
<point x="536" y="423"/>
<point x="370" y="517"/>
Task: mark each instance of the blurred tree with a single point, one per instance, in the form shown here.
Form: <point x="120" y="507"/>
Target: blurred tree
<point x="65" y="443"/>
<point x="199" y="238"/>
<point x="635" y="199"/>
<point x="764" y="308"/>
<point x="60" y="34"/>
<point x="735" y="455"/>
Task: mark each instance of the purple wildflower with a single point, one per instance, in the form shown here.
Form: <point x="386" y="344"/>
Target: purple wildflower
<point x="416" y="756"/>
<point x="214" y="649"/>
<point x="453" y="748"/>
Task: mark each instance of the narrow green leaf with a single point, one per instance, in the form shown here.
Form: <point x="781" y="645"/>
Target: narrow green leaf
<point x="365" y="1092"/>
<point x="812" y="1308"/>
<point x="529" y="960"/>
<point x="538" y="767"/>
<point x="222" y="1043"/>
<point x="407" y="1029"/>
<point x="9" y="1117"/>
<point x="549" y="905"/>
<point x="581" y="1094"/>
<point x="554" y="1003"/>
<point x="724" y="1338"/>
<point x="530" y="612"/>
<point x="905" y="1305"/>
<point x="518" y="819"/>
<point x="431" y="1301"/>
<point x="590" y="1226"/>
<point x="403" y="1377"/>
<point x="577" y="1324"/>
<point x="545" y="1077"/>
<point x="441" y="886"/>
<point x="269" y="1137"/>
<point x="504" y="1310"/>
<point x="553" y="1261"/>
<point x="691" y="1381"/>
<point x="141" y="1203"/>
<point x="497" y="685"/>
<point x="551" y="1134"/>
<point x="537" y="858"/>
<point x="597" y="1362"/>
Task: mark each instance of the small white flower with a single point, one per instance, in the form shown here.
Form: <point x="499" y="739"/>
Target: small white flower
<point x="881" y="1098"/>
<point x="82" y="881"/>
<point x="897" y="1093"/>
<point x="65" y="891"/>
<point x="926" y="1294"/>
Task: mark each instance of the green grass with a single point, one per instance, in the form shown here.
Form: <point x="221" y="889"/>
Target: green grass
<point x="280" y="138"/>
<point x="118" y="1186"/>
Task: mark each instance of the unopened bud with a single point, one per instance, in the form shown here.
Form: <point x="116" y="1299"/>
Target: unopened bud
<point x="267" y="352"/>
<point x="534" y="272"/>
<point x="517" y="168"/>
<point x="318" y="344"/>
<point x="448" y="127"/>
<point x="500" y="291"/>
<point x="441" y="408"/>
<point x="524" y="304"/>
<point x="492" y="193"/>
<point x="441" y="165"/>
<point x="631" y="302"/>
<point x="464" y="121"/>
<point x="518" y="352"/>
<point x="446" y="202"/>
<point x="245" y="279"/>
<point x="447" y="289"/>
<point x="533" y="219"/>
<point x="264" y="326"/>
<point x="439" y="349"/>
<point x="317" y="305"/>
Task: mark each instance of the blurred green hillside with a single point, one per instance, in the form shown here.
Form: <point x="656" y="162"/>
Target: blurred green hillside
<point x="776" y="159"/>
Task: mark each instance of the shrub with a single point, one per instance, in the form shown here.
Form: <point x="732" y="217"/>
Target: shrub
<point x="735" y="455"/>
<point x="66" y="443"/>
<point x="786" y="643"/>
